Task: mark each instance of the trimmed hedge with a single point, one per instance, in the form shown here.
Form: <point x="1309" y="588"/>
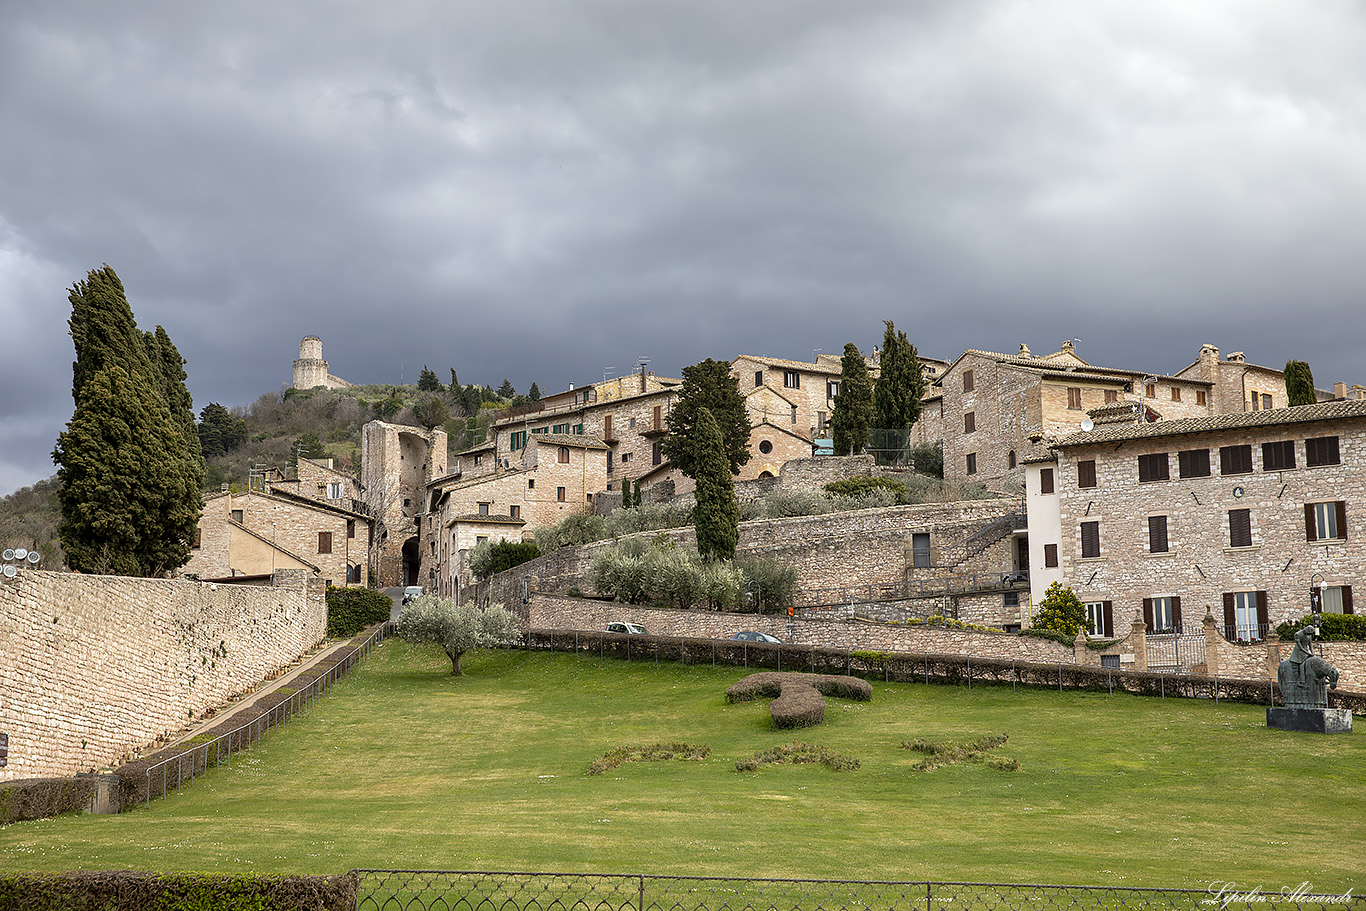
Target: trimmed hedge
<point x="862" y="484"/>
<point x="798" y="699"/>
<point x="350" y="610"/>
<point x="1332" y="627"/>
<point x="130" y="891"/>
<point x="39" y="798"/>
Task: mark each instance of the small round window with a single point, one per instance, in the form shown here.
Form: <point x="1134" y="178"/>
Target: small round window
<point x="765" y="447"/>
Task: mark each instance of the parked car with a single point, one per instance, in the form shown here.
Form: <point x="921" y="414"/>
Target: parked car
<point x="411" y="592"/>
<point x="634" y="629"/>
<point x="750" y="635"/>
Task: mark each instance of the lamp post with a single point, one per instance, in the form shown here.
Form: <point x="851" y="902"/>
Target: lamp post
<point x="1318" y="587"/>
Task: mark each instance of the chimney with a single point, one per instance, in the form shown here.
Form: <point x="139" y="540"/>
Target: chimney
<point x="642" y="377"/>
<point x="1024" y="350"/>
<point x="1236" y="357"/>
<point x="1209" y="361"/>
<point x="1339" y="390"/>
<point x="1358" y="392"/>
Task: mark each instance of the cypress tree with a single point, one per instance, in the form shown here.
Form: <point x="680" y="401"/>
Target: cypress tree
<point x="534" y="393"/>
<point x="1299" y="384"/>
<point x="853" y="403"/>
<point x="707" y="386"/>
<point x="900" y="385"/>
<point x="717" y="515"/>
<point x="129" y="460"/>
<point x="427" y="381"/>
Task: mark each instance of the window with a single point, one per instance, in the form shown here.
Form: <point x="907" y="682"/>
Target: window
<point x="765" y="447"/>
<point x="1176" y="393"/>
<point x="758" y="378"/>
<point x="1090" y="539"/>
<point x="198" y="537"/>
<point x="1266" y="401"/>
<point x="480" y="539"/>
<point x="968" y="382"/>
<point x="1150" y="390"/>
<point x="792" y="379"/>
<point x="832" y="388"/>
<point x="478" y="460"/>
<point x="1278" y="455"/>
<point x="1157" y="534"/>
<point x="1010" y="459"/>
<point x="794" y="414"/>
<point x="1256" y="400"/>
<point x="1199" y="396"/>
<point x="1050" y="555"/>
<point x="1086" y="473"/>
<point x="607" y="427"/>
<point x="324" y="542"/>
<point x="1074" y="398"/>
<point x="514" y="512"/>
<point x="237" y="515"/>
<point x="1153" y="467"/>
<point x="657" y="453"/>
<point x="969" y="422"/>
<point x="484" y="509"/>
<point x="1335" y="599"/>
<point x="334" y="490"/>
<point x="560" y="428"/>
<point x="1245" y="616"/>
<point x="563" y="455"/>
<point x="1240" y="528"/>
<point x="578" y="429"/>
<point x="1010" y="601"/>
<point x="659" y="417"/>
<point x="1193" y="463"/>
<point x="1325" y="521"/>
<point x="626" y="456"/>
<point x="1100" y="618"/>
<point x="1045" y="480"/>
<point x="350" y="528"/>
<point x="1321" y="451"/>
<point x="1111" y="396"/>
<point x="920" y="548"/>
<point x="633" y="423"/>
<point x="1162" y="615"/>
<point x="530" y="483"/>
<point x="1235" y="459"/>
<point x="559" y="494"/>
<point x="515" y="442"/>
<point x="972" y="463"/>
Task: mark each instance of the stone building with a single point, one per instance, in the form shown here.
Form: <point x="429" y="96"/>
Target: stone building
<point x="397" y="464"/>
<point x="310" y="370"/>
<point x="1234" y="515"/>
<point x="261" y="532"/>
<point x="1238" y="385"/>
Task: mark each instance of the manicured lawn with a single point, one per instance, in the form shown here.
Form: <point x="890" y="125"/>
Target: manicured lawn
<point x="404" y="766"/>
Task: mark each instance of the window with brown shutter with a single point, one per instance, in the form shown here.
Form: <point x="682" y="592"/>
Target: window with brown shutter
<point x="758" y="378"/>
<point x="969" y="422"/>
<point x="1153" y="467"/>
<point x="1050" y="555"/>
<point x="607" y="427"/>
<point x="1090" y="539"/>
<point x="657" y="453"/>
<point x="1193" y="463"/>
<point x="1199" y="397"/>
<point x="1278" y="455"/>
<point x="1086" y="473"/>
<point x="324" y="542"/>
<point x="559" y="494"/>
<point x="1325" y="521"/>
<point x="1074" y="398"/>
<point x="1111" y="396"/>
<point x="972" y="463"/>
<point x="659" y="417"/>
<point x="968" y="382"/>
<point x="1150" y="390"/>
<point x="1157" y="534"/>
<point x="1321" y="451"/>
<point x="564" y="455"/>
<point x="1176" y="393"/>
<point x="1235" y="459"/>
<point x="1045" y="480"/>
<point x="1240" y="528"/>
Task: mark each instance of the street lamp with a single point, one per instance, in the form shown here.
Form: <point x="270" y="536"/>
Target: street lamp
<point x="1317" y="590"/>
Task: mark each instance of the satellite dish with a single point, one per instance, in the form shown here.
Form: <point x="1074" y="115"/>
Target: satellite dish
<point x="10" y="571"/>
<point x="1088" y="425"/>
<point x="9" y="553"/>
<point x="20" y="553"/>
<point x="34" y="557"/>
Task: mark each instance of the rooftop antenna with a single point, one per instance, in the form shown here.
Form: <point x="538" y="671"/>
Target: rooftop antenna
<point x="815" y="354"/>
<point x="607" y="373"/>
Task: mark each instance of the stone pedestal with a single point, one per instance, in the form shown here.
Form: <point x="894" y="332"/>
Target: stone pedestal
<point x="1313" y="721"/>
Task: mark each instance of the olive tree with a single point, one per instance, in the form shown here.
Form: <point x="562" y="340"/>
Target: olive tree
<point x="456" y="628"/>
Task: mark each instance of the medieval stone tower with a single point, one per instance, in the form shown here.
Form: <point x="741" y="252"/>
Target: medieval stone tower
<point x="311" y="370"/>
<point x="397" y="463"/>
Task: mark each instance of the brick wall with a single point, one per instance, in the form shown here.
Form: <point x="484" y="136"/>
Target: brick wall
<point x="95" y="667"/>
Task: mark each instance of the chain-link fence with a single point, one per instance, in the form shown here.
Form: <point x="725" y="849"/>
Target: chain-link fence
<point x="413" y="890"/>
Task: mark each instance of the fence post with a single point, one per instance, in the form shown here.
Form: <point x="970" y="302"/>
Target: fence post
<point x="1059" y="676"/>
<point x="641" y="906"/>
<point x="1014" y="677"/>
<point x="969" y="672"/>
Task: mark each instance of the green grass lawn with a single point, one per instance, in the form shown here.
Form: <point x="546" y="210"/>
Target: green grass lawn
<point x="403" y="766"/>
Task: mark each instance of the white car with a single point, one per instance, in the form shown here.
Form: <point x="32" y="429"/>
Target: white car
<point x="411" y="592"/>
<point x="634" y="629"/>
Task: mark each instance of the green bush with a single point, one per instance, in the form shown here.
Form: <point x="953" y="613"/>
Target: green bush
<point x="487" y="559"/>
<point x="1332" y="627"/>
<point x="177" y="891"/>
<point x="575" y="529"/>
<point x="1061" y="610"/>
<point x="928" y="459"/>
<point x="350" y="610"/>
<point x="795" y="753"/>
<point x="655" y="752"/>
<point x="777" y="584"/>
<point x="857" y="486"/>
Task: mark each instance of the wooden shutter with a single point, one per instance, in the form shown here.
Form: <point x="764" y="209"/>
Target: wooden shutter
<point x="1090" y="539"/>
<point x="1176" y="613"/>
<point x="1263" y="615"/>
<point x="1311" y="528"/>
<point x="1086" y="473"/>
<point x="1342" y="518"/>
<point x="1046" y="480"/>
<point x="1148" y="614"/>
<point x="1230" y="618"/>
<point x="607" y="427"/>
<point x="1050" y="555"/>
<point x="1240" y="528"/>
<point x="1346" y="599"/>
<point x="1107" y="611"/>
<point x="1157" y="534"/>
<point x="324" y="542"/>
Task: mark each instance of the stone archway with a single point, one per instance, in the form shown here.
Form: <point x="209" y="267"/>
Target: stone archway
<point x="412" y="560"/>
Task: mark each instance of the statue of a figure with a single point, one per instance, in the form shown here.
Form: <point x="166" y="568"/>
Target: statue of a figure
<point x="1302" y="676"/>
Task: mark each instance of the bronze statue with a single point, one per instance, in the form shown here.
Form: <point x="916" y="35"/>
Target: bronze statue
<point x="1302" y="676"/>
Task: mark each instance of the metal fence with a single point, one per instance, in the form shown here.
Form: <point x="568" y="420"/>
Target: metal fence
<point x="198" y="758"/>
<point x="430" y="890"/>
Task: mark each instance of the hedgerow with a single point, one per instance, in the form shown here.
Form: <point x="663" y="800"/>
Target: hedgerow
<point x="796" y="753"/>
<point x="655" y="752"/>
<point x="350" y="610"/>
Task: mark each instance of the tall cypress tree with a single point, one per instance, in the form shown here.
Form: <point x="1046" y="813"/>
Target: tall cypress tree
<point x="716" y="515"/>
<point x="900" y="385"/>
<point x="129" y="460"/>
<point x="853" y="403"/>
<point x="707" y="385"/>
<point x="1299" y="383"/>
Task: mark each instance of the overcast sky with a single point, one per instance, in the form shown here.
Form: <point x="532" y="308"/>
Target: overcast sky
<point x="540" y="190"/>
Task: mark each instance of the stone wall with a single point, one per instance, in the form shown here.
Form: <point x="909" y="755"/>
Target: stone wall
<point x="93" y="668"/>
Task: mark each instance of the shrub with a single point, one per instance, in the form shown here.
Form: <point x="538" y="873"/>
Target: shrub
<point x="777" y="584"/>
<point x="781" y="504"/>
<point x="857" y="486"/>
<point x="928" y="459"/>
<point x="488" y="559"/>
<point x="648" y="517"/>
<point x="39" y="798"/>
<point x="616" y="573"/>
<point x="575" y="529"/>
<point x="1332" y="627"/>
<point x="796" y="752"/>
<point x="677" y="578"/>
<point x="941" y="753"/>
<point x="722" y="583"/>
<point x="350" y="610"/>
<point x="655" y="752"/>
<point x="199" y="891"/>
<point x="1061" y="610"/>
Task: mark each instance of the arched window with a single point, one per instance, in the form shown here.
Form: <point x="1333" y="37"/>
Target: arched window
<point x="1010" y="459"/>
<point x="564" y="455"/>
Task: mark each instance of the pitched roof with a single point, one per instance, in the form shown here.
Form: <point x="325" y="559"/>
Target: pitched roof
<point x="805" y="366"/>
<point x="575" y="440"/>
<point x="487" y="520"/>
<point x="1301" y="414"/>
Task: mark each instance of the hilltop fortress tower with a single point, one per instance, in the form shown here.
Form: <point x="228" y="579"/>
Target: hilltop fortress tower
<point x="310" y="369"/>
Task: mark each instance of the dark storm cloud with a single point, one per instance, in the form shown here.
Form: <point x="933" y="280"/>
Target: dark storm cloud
<point x="541" y="190"/>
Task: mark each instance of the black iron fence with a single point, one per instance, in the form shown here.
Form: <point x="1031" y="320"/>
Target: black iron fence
<point x="429" y="890"/>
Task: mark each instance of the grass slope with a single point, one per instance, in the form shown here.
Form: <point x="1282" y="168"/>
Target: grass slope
<point x="403" y="766"/>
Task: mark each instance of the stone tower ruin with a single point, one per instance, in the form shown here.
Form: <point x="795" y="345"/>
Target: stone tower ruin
<point x="310" y="369"/>
<point x="397" y="463"/>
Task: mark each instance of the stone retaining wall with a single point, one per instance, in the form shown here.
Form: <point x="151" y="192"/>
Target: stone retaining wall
<point x="93" y="668"/>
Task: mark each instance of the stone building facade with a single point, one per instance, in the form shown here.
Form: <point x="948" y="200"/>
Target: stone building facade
<point x="1234" y="515"/>
<point x="310" y="370"/>
<point x="397" y="464"/>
